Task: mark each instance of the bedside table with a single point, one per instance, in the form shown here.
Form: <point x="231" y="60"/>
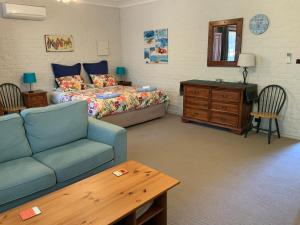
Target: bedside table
<point x="125" y="83"/>
<point x="35" y="99"/>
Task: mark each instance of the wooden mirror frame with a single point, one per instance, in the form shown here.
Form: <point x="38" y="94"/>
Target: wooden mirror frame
<point x="239" y="32"/>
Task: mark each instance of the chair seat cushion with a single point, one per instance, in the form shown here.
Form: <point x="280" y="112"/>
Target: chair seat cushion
<point x="23" y="177"/>
<point x="76" y="158"/>
<point x="265" y="115"/>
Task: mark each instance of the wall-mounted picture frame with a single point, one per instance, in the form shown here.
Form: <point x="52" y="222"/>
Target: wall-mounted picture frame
<point x="156" y="46"/>
<point x="59" y="43"/>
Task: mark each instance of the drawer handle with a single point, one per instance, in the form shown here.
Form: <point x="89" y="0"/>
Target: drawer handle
<point x="224" y="107"/>
<point x="225" y="96"/>
<point x="223" y="119"/>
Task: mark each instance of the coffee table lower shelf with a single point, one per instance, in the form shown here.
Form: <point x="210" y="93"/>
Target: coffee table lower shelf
<point x="155" y="215"/>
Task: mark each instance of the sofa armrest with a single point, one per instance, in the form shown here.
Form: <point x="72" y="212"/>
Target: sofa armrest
<point x="111" y="135"/>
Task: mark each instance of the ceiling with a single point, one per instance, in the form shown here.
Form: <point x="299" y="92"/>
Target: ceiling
<point x="117" y="3"/>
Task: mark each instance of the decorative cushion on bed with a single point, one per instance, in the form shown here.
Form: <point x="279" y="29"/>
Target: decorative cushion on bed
<point x="62" y="70"/>
<point x="96" y="68"/>
<point x="106" y="80"/>
<point x="71" y="83"/>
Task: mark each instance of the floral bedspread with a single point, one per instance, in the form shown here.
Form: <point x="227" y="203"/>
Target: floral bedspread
<point x="129" y="99"/>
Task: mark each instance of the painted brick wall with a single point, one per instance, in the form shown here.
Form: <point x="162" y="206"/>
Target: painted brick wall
<point x="22" y="46"/>
<point x="187" y="21"/>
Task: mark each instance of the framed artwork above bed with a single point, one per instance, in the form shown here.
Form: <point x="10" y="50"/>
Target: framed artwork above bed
<point x="59" y="43"/>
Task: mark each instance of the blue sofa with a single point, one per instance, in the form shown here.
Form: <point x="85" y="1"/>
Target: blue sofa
<point x="48" y="148"/>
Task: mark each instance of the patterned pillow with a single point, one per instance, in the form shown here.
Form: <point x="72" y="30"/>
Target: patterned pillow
<point x="71" y="83"/>
<point x="103" y="80"/>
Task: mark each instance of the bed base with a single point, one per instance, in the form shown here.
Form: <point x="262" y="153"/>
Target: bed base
<point x="134" y="117"/>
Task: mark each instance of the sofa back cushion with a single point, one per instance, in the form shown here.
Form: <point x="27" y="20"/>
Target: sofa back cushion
<point x="55" y="125"/>
<point x="13" y="142"/>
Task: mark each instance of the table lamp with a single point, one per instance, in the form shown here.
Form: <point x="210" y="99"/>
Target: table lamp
<point x="246" y="61"/>
<point x="121" y="71"/>
<point x="29" y="78"/>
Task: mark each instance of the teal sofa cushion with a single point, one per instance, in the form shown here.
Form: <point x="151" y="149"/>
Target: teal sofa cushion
<point x="75" y="158"/>
<point x="23" y="177"/>
<point x="109" y="134"/>
<point x="13" y="142"/>
<point x="55" y="125"/>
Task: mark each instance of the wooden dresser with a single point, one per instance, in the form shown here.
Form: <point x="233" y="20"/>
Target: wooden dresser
<point x="225" y="104"/>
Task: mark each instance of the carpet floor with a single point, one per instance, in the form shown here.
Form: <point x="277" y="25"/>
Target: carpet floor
<point x="226" y="179"/>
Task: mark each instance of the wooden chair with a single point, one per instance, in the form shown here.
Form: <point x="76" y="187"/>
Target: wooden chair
<point x="270" y="102"/>
<point x="11" y="98"/>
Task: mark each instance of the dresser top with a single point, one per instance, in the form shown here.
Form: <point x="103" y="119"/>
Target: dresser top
<point x="219" y="84"/>
<point x="250" y="90"/>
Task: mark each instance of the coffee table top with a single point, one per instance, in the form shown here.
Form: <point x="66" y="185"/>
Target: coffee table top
<point x="97" y="200"/>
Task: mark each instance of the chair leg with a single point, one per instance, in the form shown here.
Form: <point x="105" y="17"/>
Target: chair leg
<point x="258" y="125"/>
<point x="270" y="131"/>
<point x="249" y="126"/>
<point x="277" y="127"/>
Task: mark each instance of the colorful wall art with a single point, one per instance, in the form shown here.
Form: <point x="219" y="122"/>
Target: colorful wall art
<point x="59" y="43"/>
<point x="156" y="46"/>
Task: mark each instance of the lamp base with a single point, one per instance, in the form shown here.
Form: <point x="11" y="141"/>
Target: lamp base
<point x="245" y="74"/>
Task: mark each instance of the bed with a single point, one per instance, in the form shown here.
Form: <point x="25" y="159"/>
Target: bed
<point x="130" y="108"/>
<point x="131" y="105"/>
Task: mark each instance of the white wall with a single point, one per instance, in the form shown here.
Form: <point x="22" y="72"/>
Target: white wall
<point x="22" y="46"/>
<point x="187" y="21"/>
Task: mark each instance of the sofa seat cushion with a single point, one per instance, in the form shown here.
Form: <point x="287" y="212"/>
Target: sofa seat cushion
<point x="76" y="158"/>
<point x="23" y="177"/>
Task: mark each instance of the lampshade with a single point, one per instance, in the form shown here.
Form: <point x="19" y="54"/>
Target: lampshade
<point x="121" y="71"/>
<point x="246" y="60"/>
<point x="29" y="78"/>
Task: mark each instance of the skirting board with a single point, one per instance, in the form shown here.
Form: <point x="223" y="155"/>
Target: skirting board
<point x="137" y="116"/>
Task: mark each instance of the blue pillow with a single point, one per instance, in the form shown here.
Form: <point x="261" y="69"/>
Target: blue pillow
<point x="96" y="68"/>
<point x="62" y="70"/>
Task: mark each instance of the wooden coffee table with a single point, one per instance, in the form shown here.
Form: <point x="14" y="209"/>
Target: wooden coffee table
<point x="103" y="199"/>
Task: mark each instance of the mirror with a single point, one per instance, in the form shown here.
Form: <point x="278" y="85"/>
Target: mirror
<point x="224" y="42"/>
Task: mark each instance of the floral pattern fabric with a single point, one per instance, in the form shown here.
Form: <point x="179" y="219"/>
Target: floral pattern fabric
<point x="105" y="80"/>
<point x="129" y="99"/>
<point x="71" y="83"/>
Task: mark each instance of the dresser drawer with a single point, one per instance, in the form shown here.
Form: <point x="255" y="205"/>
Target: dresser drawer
<point x="196" y="91"/>
<point x="196" y="114"/>
<point x="38" y="101"/>
<point x="225" y="107"/>
<point x="198" y="103"/>
<point x="225" y="119"/>
<point x="224" y="95"/>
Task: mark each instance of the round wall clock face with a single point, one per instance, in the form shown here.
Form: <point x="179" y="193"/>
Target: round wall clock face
<point x="259" y="24"/>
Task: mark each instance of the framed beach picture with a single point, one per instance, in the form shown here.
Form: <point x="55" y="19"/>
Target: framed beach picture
<point x="59" y="43"/>
<point x="156" y="46"/>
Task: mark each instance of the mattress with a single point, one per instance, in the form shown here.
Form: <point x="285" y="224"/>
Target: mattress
<point x="129" y="99"/>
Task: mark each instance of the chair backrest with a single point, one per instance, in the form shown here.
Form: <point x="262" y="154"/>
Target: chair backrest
<point x="271" y="99"/>
<point x="10" y="96"/>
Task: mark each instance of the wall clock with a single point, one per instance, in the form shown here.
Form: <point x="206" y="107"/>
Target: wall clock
<point x="259" y="24"/>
